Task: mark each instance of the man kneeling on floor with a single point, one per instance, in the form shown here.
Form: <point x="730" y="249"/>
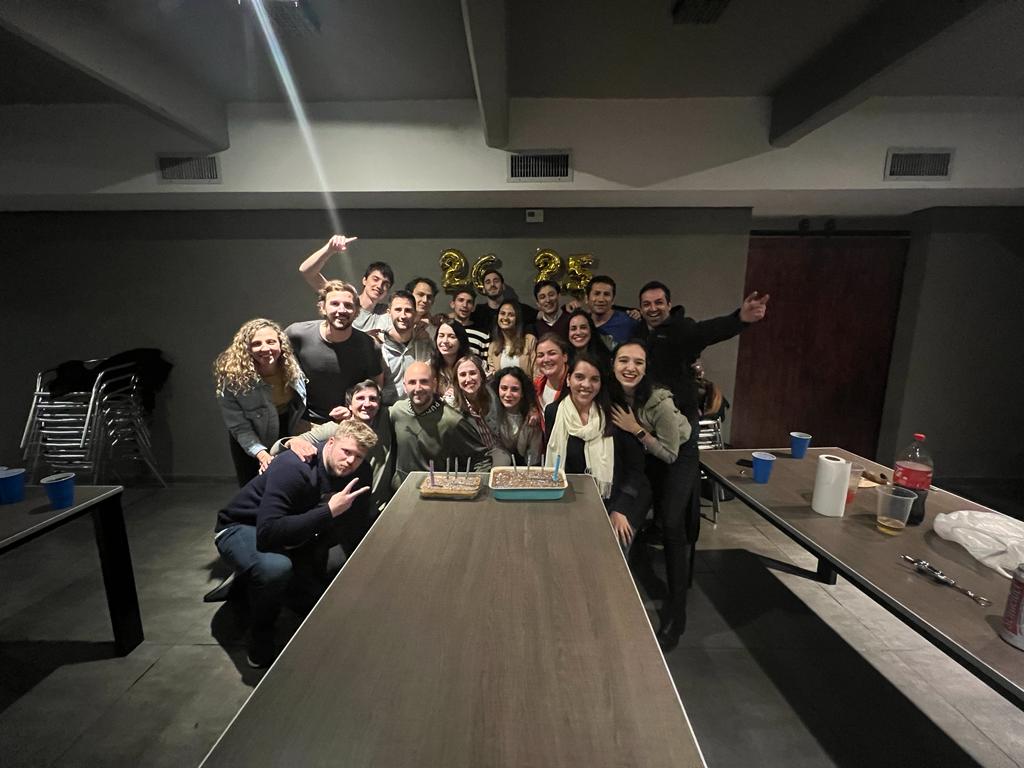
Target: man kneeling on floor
<point x="276" y="531"/>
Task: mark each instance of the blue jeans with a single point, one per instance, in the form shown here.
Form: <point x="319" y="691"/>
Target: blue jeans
<point x="271" y="576"/>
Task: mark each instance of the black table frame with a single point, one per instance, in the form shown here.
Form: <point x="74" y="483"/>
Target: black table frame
<point x="115" y="559"/>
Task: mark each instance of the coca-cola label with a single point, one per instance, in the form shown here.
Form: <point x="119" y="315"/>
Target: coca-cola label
<point x="910" y="474"/>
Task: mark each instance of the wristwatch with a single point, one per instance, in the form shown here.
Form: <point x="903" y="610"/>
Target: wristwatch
<point x="641" y="435"/>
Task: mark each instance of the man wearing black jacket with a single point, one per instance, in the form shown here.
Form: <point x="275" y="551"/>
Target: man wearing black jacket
<point x="674" y="341"/>
<point x="277" y="528"/>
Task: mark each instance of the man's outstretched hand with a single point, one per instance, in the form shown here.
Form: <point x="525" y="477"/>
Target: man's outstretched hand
<point x="754" y="308"/>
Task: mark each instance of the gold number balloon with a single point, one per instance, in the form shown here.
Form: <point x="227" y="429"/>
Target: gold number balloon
<point x="577" y="275"/>
<point x="484" y="263"/>
<point x="454" y="270"/>
<point x="548" y="263"/>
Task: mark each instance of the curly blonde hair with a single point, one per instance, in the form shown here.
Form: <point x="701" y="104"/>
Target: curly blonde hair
<point x="234" y="370"/>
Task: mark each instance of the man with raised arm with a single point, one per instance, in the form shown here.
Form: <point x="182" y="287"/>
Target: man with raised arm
<point x="377" y="281"/>
<point x="332" y="354"/>
<point x="276" y="531"/>
<point x="428" y="430"/>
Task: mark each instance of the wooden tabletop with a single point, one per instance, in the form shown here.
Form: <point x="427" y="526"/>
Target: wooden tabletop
<point x="24" y="520"/>
<point x="481" y="633"/>
<point x="869" y="558"/>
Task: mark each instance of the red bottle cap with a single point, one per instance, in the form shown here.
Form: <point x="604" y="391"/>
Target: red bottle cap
<point x="919" y="436"/>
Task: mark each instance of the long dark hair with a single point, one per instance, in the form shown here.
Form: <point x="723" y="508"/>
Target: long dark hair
<point x="643" y="389"/>
<point x="437" y="359"/>
<point x="603" y="399"/>
<point x="483" y="397"/>
<point x="518" y="336"/>
<point x="595" y="347"/>
<point x="529" y="398"/>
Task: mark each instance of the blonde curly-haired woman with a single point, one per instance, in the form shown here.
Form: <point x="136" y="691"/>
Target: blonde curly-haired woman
<point x="261" y="392"/>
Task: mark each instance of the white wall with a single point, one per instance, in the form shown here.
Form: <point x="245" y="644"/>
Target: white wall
<point x="626" y="152"/>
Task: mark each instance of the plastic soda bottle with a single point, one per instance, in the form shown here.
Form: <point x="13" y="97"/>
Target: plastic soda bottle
<point x="914" y="470"/>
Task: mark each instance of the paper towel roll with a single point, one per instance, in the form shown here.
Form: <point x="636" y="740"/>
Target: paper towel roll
<point x="830" y="485"/>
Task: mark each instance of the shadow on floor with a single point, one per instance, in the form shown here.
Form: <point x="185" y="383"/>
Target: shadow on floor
<point x="857" y="716"/>
<point x="26" y="663"/>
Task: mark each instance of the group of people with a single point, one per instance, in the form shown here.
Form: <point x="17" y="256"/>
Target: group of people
<point x="327" y="417"/>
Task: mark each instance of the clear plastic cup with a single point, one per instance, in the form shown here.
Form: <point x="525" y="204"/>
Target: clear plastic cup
<point x="851" y="490"/>
<point x="893" y="508"/>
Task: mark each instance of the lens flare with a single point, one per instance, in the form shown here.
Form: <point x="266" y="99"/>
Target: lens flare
<point x="284" y="74"/>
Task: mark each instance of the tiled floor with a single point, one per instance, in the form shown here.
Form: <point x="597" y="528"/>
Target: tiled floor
<point x="773" y="669"/>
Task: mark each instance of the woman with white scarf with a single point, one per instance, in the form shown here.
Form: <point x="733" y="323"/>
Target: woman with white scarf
<point x="581" y="431"/>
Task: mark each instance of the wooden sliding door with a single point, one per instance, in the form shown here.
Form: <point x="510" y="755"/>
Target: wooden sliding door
<point x="820" y="361"/>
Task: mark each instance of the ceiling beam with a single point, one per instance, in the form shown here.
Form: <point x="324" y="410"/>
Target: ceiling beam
<point x="69" y="32"/>
<point x="839" y="77"/>
<point x="486" y="37"/>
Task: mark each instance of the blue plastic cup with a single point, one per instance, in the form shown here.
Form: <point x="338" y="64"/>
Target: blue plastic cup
<point x="12" y="486"/>
<point x="798" y="443"/>
<point x="60" y="489"/>
<point x="763" y="463"/>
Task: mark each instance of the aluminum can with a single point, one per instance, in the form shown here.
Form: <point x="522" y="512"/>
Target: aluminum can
<point x="1012" y="629"/>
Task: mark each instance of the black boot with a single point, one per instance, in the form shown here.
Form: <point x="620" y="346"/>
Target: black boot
<point x="673" y="624"/>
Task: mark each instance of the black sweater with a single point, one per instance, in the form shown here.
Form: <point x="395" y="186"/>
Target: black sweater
<point x="288" y="502"/>
<point x="631" y="491"/>
<point x="674" y="345"/>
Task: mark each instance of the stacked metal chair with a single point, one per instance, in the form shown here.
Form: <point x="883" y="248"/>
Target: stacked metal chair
<point x="88" y="432"/>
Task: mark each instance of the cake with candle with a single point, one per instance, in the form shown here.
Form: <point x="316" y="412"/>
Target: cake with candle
<point x="450" y="485"/>
<point x="527" y="484"/>
<point x="519" y="477"/>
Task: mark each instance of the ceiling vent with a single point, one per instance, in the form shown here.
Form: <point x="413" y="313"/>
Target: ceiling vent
<point x="698" y="11"/>
<point x="540" y="165"/>
<point x="912" y="164"/>
<point x="189" y="169"/>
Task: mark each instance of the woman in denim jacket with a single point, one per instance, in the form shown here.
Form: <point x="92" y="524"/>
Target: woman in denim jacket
<point x="261" y="392"/>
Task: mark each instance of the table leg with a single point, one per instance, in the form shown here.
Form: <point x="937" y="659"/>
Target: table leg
<point x="118" y="577"/>
<point x="826" y="574"/>
<point x="716" y="491"/>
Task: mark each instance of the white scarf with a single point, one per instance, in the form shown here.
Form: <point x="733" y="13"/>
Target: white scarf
<point x="598" y="449"/>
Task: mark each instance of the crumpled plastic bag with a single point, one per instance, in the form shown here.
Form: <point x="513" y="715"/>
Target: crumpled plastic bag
<point x="993" y="539"/>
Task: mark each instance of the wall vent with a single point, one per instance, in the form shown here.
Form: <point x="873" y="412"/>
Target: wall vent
<point x="540" y="165"/>
<point x="909" y="164"/>
<point x="698" y="11"/>
<point x="189" y="169"/>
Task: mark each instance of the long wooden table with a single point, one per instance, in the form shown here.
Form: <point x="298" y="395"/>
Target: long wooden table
<point x="852" y="546"/>
<point x="481" y="633"/>
<point x="26" y="520"/>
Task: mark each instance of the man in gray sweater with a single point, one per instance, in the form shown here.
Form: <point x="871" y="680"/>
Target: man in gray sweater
<point x="426" y="429"/>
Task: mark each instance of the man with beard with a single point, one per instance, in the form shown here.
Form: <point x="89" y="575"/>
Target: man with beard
<point x="402" y="345"/>
<point x="377" y="281"/>
<point x="485" y="315"/>
<point x="428" y="430"/>
<point x="462" y="312"/>
<point x="332" y="354"/>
